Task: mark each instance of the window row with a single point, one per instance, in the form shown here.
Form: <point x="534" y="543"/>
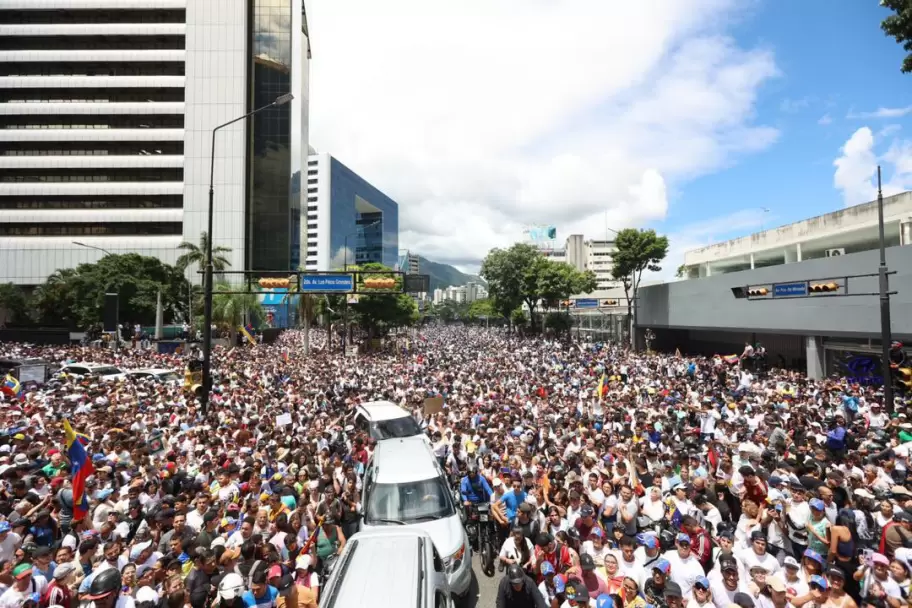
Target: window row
<point x="108" y="229"/>
<point x="91" y="68"/>
<point x="94" y="16"/>
<point x="91" y="43"/>
<point x="77" y="95"/>
<point x="85" y="148"/>
<point x="91" y="175"/>
<point x="92" y="202"/>
<point x="92" y="121"/>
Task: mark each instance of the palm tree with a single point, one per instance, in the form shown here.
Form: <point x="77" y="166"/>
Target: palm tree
<point x="229" y="309"/>
<point x="307" y="308"/>
<point x="196" y="254"/>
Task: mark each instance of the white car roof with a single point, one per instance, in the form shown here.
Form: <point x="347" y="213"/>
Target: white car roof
<point x="403" y="460"/>
<point x="383" y="410"/>
<point x="152" y="370"/>
<point x="90" y="365"/>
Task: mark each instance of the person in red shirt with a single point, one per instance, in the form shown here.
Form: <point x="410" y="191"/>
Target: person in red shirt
<point x="547" y="549"/>
<point x="700" y="543"/>
<point x="754" y="487"/>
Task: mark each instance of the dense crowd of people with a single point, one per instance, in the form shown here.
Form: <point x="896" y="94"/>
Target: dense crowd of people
<point x="615" y="479"/>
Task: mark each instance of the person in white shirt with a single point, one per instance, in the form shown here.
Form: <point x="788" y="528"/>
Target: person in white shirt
<point x="685" y="569"/>
<point x="756" y="555"/>
<point x="726" y="583"/>
<point x="9" y="542"/>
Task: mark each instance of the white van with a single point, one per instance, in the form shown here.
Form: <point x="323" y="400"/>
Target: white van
<point x="404" y="485"/>
<point x="385" y="420"/>
<point x="366" y="575"/>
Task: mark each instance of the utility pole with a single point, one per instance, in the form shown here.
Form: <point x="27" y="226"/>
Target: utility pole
<point x="884" y="282"/>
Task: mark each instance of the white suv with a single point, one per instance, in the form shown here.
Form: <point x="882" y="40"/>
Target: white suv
<point x="386" y="420"/>
<point x="99" y="370"/>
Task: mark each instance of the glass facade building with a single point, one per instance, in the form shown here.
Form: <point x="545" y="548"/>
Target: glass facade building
<point x="364" y="222"/>
<point x="271" y="202"/>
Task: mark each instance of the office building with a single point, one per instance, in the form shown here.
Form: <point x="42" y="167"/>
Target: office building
<point x="409" y="262"/>
<point x="106" y="115"/>
<point x="595" y="255"/>
<point x="850" y="230"/>
<point x="348" y="220"/>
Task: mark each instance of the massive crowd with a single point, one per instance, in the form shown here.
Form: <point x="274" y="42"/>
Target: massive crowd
<point x="616" y="479"/>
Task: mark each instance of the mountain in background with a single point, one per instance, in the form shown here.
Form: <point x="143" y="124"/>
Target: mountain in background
<point x="444" y="275"/>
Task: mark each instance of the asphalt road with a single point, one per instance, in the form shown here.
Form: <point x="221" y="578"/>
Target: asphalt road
<point x="483" y="591"/>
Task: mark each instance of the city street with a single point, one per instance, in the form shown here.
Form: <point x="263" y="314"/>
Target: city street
<point x="483" y="592"/>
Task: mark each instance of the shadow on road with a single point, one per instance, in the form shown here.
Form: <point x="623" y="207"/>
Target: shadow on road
<point x="473" y="597"/>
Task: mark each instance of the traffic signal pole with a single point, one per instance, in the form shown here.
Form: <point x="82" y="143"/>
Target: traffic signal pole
<point x="884" y="282"/>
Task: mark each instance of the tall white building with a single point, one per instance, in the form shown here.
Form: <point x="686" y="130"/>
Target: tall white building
<point x="106" y="115"/>
<point x="595" y="255"/>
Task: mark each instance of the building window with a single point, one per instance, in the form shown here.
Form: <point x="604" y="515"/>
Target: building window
<point x="94" y="16"/>
<point x="112" y="43"/>
<point x="91" y="175"/>
<point x="90" y="68"/>
<point x="92" y="121"/>
<point x="108" y="229"/>
<point x="92" y="202"/>
<point x="77" y="95"/>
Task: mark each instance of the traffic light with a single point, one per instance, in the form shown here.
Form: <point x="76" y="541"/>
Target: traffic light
<point x="273" y="283"/>
<point x="757" y="292"/>
<point x="830" y="287"/>
<point x="567" y="303"/>
<point x="609" y="302"/>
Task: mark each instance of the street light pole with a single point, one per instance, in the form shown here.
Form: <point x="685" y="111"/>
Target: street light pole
<point x="345" y="267"/>
<point x="884" y="282"/>
<point x="207" y="278"/>
<point x="116" y="308"/>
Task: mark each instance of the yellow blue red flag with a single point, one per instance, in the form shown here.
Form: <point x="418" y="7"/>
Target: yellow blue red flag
<point x="11" y="386"/>
<point x="601" y="387"/>
<point x="80" y="470"/>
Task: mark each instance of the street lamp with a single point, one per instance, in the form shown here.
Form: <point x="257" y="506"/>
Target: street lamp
<point x="117" y="293"/>
<point x="345" y="267"/>
<point x="207" y="278"/>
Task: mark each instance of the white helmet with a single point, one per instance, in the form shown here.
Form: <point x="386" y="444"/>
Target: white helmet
<point x="231" y="586"/>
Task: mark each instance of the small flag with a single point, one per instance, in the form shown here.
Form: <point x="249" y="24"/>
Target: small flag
<point x="80" y="469"/>
<point x="601" y="387"/>
<point x="11" y="386"/>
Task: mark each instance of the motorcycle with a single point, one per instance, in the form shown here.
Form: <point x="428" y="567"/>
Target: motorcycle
<point x="480" y="530"/>
<point x="327" y="569"/>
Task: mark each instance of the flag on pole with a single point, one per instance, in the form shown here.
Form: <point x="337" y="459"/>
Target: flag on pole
<point x="601" y="387"/>
<point x="80" y="470"/>
<point x="11" y="386"/>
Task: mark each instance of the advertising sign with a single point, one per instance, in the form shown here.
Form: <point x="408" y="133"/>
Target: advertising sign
<point x="378" y="282"/>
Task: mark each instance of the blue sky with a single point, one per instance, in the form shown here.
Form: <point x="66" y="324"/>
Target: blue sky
<point x="837" y="68"/>
<point x="484" y="118"/>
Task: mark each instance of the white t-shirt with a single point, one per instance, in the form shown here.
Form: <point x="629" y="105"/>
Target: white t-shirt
<point x="9" y="545"/>
<point x="683" y="571"/>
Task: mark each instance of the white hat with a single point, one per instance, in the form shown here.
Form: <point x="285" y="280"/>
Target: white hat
<point x="863" y="493"/>
<point x="303" y="562"/>
<point x="231" y="586"/>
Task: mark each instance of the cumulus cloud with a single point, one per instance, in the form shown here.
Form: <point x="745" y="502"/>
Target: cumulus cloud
<point x="825" y="120"/>
<point x="881" y="113"/>
<point x="856" y="167"/>
<point x="485" y="116"/>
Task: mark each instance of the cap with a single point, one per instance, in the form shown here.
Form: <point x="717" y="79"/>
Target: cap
<point x="743" y="600"/>
<point x="790" y="562"/>
<point x="4" y="527"/>
<point x="811" y="554"/>
<point x="879" y="558"/>
<point x="902" y="517"/>
<point x="817" y="504"/>
<point x="546" y="568"/>
<point x="775" y="583"/>
<point x="61" y="571"/>
<point x="662" y="565"/>
<point x="303" y="562"/>
<point x="576" y="591"/>
<point x="649" y="541"/>
<point x="834" y="572"/>
<point x="819" y="581"/>
<point x="672" y="589"/>
<point x="558" y="583"/>
<point x="586" y="562"/>
<point x="22" y="570"/>
<point x="525" y="507"/>
<point x="728" y="563"/>
<point x="758" y="534"/>
<point x="702" y="582"/>
<point x="587" y="511"/>
<point x="515" y="574"/>
<point x="604" y="601"/>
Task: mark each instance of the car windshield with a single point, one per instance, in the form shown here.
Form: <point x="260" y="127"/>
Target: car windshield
<point x="169" y="377"/>
<point x="105" y="370"/>
<point x="395" y="427"/>
<point x="408" y="502"/>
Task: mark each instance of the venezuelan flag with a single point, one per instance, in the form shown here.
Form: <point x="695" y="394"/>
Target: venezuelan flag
<point x="80" y="469"/>
<point x="601" y="387"/>
<point x="11" y="386"/>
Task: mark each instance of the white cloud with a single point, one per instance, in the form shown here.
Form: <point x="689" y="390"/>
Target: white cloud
<point x="881" y="113"/>
<point x="856" y="168"/>
<point x="484" y="116"/>
<point x="825" y="120"/>
<point x="792" y="106"/>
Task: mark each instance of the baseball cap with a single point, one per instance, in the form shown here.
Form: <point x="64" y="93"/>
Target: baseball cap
<point x="672" y="589"/>
<point x="587" y="511"/>
<point x="728" y="563"/>
<point x="22" y="570"/>
<point x="4" y="526"/>
<point x="683" y="538"/>
<point x="817" y="504"/>
<point x="775" y="583"/>
<point x="790" y="562"/>
<point x="547" y="568"/>
<point x="586" y="562"/>
<point x="559" y="583"/>
<point x="811" y="554"/>
<point x="604" y="601"/>
<point x="662" y="565"/>
<point x="702" y="582"/>
<point x="577" y="591"/>
<point x="744" y="600"/>
<point x="819" y="581"/>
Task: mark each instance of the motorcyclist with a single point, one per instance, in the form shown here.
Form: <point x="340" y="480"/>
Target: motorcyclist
<point x="104" y="592"/>
<point x="474" y="488"/>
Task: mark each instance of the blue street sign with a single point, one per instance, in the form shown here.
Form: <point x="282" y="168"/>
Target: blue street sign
<point x="586" y="303"/>
<point x="327" y="283"/>
<point x="790" y="290"/>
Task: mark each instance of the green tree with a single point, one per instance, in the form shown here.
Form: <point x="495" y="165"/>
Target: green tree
<point x="522" y="275"/>
<point x="681" y="272"/>
<point x="560" y="322"/>
<point x="378" y="313"/>
<point x="195" y="255"/>
<point x="74" y="297"/>
<point x="14" y="305"/>
<point x="899" y="26"/>
<point x="482" y="309"/>
<point x="637" y="251"/>
<point x="229" y="310"/>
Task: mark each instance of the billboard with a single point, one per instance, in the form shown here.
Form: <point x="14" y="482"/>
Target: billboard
<point x="378" y="282"/>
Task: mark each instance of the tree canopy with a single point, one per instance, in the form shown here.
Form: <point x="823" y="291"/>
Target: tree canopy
<point x="637" y="251"/>
<point x="899" y="26"/>
<point x="522" y="275"/>
<point x="74" y="297"/>
<point x="378" y="313"/>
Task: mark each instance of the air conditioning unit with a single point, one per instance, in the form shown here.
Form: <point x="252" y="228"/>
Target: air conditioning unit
<point x="835" y="253"/>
